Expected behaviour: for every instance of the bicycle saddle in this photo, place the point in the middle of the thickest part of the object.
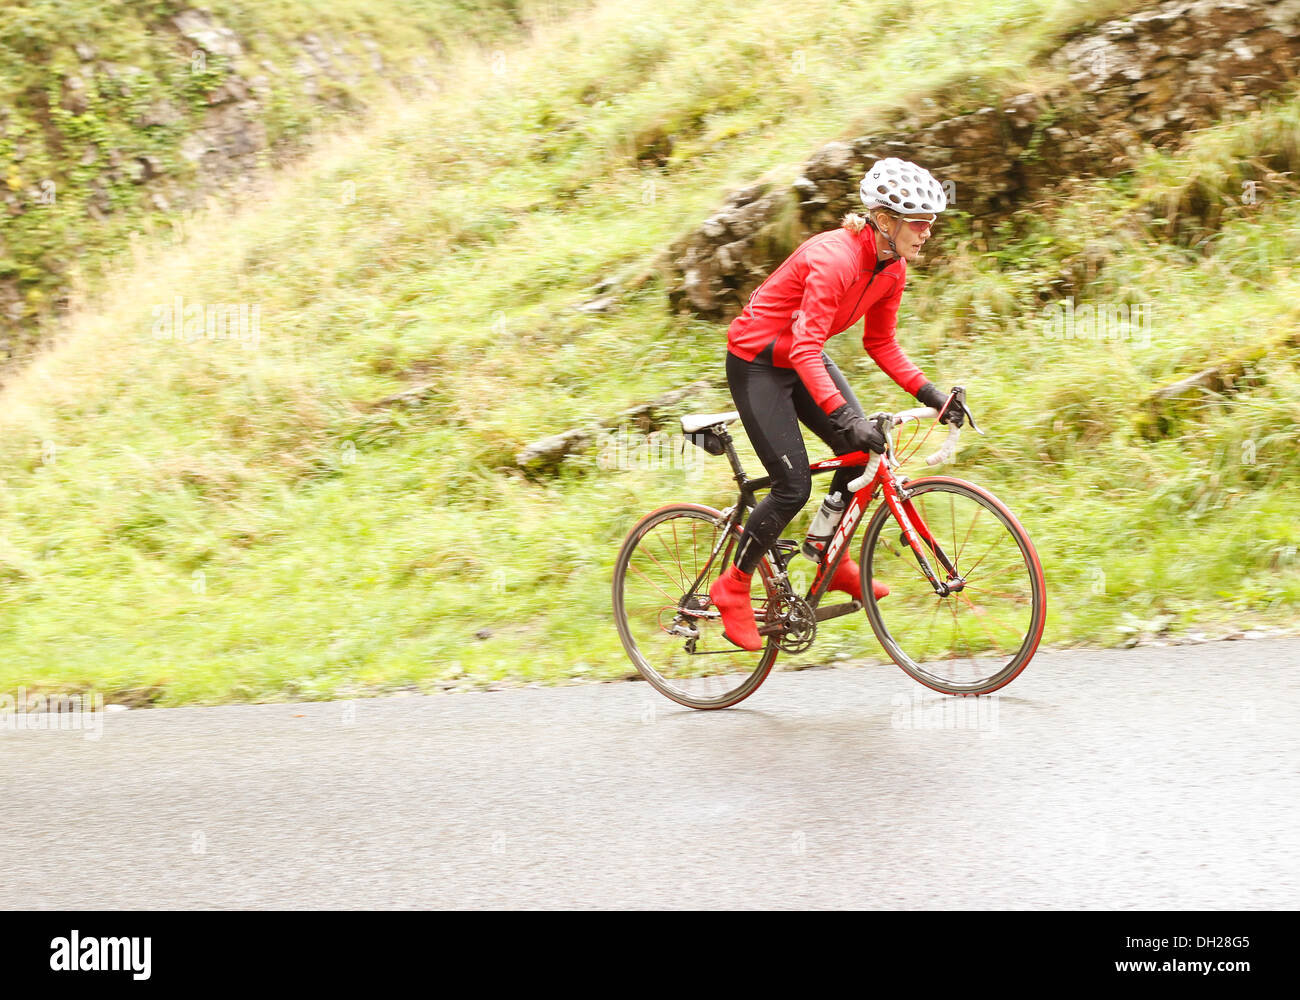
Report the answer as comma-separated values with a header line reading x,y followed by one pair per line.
x,y
699,421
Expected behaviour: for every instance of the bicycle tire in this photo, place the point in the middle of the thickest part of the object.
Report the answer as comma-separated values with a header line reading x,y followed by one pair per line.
x,y
649,652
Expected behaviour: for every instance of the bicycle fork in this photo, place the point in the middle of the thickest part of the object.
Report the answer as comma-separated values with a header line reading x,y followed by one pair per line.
x,y
915,531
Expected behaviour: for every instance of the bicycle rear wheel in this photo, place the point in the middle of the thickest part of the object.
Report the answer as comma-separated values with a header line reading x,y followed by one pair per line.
x,y
674,640
980,637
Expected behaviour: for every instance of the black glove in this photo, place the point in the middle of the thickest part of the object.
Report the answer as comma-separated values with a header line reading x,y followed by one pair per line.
x,y
928,395
857,430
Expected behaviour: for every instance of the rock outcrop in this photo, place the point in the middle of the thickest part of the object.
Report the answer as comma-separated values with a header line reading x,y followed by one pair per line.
x,y
546,456
1147,78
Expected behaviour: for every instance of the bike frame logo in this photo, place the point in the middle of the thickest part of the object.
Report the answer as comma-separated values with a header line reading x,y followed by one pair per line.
x,y
1101,321
845,529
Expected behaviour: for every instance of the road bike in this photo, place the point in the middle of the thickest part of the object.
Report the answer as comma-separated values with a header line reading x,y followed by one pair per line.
x,y
967,601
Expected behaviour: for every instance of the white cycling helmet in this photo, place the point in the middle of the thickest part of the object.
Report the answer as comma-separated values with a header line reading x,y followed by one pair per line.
x,y
902,187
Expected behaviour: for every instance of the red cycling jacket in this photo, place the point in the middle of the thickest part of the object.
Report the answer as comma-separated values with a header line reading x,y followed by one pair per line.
x,y
823,288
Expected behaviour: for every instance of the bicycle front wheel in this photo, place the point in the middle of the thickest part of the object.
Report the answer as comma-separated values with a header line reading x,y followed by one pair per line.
x,y
669,630
980,636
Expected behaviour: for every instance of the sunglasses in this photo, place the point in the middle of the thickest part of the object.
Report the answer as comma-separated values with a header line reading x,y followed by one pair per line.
x,y
918,225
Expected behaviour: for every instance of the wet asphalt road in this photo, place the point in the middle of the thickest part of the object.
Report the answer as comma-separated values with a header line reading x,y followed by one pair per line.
x,y
1146,778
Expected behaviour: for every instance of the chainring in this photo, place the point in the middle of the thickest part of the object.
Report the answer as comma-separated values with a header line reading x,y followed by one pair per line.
x,y
799,624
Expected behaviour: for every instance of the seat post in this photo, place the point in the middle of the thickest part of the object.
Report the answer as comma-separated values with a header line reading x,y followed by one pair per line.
x,y
742,480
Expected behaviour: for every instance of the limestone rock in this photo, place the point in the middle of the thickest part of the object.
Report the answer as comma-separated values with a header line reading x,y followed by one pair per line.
x,y
547,454
200,28
1149,77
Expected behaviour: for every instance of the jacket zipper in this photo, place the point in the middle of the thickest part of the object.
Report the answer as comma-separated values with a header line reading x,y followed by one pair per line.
x,y
865,290
874,272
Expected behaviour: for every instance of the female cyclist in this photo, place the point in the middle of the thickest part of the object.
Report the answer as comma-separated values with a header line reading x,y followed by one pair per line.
x,y
779,376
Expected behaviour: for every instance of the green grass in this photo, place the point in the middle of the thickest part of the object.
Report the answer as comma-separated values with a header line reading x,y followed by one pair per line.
x,y
69,172
200,522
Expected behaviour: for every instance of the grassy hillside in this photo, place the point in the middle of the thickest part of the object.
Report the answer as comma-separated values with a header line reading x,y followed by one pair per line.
x,y
205,519
102,103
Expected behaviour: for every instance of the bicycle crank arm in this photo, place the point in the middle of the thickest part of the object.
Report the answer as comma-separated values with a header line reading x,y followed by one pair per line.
x,y
837,610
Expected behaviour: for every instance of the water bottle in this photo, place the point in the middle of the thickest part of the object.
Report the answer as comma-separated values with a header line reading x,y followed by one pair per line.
x,y
823,526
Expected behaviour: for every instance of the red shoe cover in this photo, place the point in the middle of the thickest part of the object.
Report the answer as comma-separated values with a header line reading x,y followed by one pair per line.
x,y
848,580
730,595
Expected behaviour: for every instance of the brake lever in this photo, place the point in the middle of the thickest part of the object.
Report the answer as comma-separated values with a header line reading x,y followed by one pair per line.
x,y
959,397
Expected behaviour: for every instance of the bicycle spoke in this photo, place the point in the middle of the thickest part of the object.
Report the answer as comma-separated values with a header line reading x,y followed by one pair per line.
x,y
667,570
962,547
980,615
908,555
681,562
1017,598
934,618
952,511
985,577
952,605
695,554
932,546
995,543
675,559
661,590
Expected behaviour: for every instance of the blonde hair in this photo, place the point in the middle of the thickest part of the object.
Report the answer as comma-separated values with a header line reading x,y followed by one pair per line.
x,y
854,223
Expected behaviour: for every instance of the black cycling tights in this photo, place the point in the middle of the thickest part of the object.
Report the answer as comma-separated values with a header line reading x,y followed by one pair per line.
x,y
771,402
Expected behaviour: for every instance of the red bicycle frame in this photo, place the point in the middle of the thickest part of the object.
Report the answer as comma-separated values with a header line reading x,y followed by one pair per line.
x,y
915,530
